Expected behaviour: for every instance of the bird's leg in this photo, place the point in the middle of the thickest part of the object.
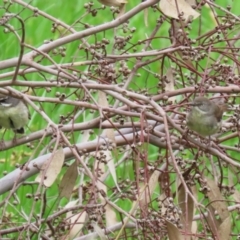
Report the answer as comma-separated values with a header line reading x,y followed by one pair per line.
x,y
2,143
14,141
17,131
185,134
211,141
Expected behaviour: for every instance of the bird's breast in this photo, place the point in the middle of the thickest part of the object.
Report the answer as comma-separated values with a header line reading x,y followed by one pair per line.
x,y
14,117
202,123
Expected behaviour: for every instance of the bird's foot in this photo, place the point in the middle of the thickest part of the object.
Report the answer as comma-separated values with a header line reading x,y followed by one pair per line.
x,y
2,145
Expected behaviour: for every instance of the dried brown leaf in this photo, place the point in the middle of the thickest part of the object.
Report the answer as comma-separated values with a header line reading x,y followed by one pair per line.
x,y
230,178
51,168
170,9
102,99
68,181
99,231
112,168
162,198
191,2
77,221
102,188
217,200
146,192
213,223
111,217
225,229
194,230
236,196
170,83
173,232
187,206
194,223
110,214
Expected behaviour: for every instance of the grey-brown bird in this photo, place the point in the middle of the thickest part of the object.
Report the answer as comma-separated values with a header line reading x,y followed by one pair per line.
x,y
205,116
14,113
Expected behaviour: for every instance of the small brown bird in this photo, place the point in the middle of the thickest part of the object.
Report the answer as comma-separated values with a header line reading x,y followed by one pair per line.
x,y
14,113
205,116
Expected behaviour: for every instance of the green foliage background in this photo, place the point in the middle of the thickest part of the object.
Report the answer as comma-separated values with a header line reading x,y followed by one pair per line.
x,y
38,30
